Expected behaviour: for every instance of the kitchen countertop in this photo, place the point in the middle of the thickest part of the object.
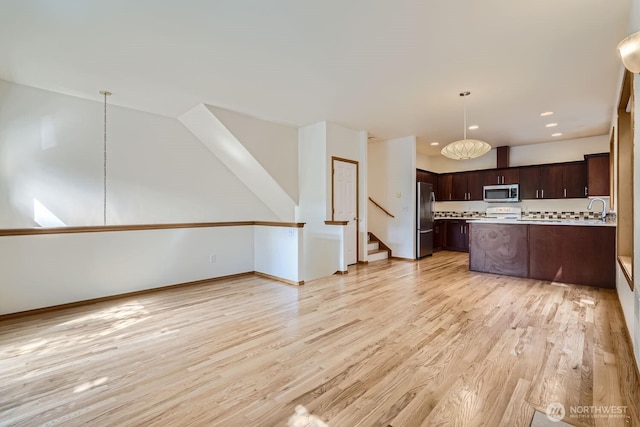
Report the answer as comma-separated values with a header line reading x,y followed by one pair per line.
x,y
541,221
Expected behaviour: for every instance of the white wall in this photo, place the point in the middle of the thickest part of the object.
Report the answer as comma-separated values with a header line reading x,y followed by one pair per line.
x,y
46,270
630,300
322,244
521,155
278,252
51,152
392,183
274,146
350,144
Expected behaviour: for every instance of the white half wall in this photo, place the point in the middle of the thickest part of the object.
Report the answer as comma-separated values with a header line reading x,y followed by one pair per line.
x,y
323,244
51,158
392,183
45,270
278,251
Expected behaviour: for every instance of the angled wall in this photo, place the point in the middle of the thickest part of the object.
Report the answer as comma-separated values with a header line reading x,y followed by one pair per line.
x,y
51,157
202,122
273,145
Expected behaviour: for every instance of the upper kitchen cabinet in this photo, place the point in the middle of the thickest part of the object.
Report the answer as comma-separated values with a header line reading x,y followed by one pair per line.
x,y
574,180
502,176
530,182
445,187
556,181
467,185
598,175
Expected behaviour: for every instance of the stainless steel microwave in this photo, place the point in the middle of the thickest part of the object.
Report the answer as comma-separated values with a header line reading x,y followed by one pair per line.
x,y
501,193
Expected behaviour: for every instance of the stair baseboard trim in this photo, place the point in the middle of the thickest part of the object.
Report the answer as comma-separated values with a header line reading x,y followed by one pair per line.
x,y
404,259
279,279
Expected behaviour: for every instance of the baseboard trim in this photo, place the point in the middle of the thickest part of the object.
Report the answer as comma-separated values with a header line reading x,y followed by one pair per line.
x,y
629,341
57,307
403,259
279,279
363,262
342,272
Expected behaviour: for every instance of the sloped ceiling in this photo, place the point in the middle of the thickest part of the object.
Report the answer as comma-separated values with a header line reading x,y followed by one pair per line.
x,y
393,68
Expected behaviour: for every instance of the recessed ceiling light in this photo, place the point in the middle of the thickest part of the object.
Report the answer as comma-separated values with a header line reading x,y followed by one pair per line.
x,y
435,143
472,127
556,134
551,125
546,113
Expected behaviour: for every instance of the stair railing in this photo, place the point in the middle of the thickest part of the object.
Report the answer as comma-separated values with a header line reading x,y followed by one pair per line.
x,y
380,207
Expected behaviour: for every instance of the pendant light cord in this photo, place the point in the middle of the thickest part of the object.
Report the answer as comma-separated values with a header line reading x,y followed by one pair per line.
x,y
104,202
464,108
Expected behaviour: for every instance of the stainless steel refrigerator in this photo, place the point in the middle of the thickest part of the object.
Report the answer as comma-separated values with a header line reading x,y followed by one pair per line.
x,y
424,218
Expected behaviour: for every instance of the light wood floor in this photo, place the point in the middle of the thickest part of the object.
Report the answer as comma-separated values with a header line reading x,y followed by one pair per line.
x,y
393,343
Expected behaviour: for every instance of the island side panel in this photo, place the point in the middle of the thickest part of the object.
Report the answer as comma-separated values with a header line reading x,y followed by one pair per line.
x,y
573,254
499,248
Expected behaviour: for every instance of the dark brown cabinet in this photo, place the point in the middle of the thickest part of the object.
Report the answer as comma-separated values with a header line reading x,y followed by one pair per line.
x,y
459,186
475,184
598,175
557,181
467,185
583,255
578,254
550,182
574,180
501,176
529,182
439,230
457,237
445,187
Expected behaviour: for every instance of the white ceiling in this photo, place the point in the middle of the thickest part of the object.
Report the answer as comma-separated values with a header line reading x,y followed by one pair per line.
x,y
393,68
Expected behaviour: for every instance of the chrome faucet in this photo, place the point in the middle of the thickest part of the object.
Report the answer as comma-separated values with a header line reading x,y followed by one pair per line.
x,y
604,207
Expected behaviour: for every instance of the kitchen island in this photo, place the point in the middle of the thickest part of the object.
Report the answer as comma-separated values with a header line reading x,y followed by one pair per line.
x,y
580,252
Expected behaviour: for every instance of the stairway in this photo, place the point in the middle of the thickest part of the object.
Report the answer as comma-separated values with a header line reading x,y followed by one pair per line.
x,y
377,251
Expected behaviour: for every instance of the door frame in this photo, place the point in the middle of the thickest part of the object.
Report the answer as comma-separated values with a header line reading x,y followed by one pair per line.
x,y
340,159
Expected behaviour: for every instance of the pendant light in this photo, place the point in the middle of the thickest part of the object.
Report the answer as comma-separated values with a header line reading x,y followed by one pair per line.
x,y
629,50
104,169
465,149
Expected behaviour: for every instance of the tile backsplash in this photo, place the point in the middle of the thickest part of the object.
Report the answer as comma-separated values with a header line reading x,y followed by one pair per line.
x,y
575,215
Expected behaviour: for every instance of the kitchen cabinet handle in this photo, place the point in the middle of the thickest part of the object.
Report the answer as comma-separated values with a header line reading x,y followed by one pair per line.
x,y
503,179
586,193
536,194
498,179
542,192
565,193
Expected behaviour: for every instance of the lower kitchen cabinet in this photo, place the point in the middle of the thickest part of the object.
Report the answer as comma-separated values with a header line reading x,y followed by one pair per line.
x,y
499,248
439,231
577,254
457,237
573,254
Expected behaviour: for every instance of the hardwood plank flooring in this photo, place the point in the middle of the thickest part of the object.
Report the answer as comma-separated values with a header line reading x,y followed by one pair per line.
x,y
392,343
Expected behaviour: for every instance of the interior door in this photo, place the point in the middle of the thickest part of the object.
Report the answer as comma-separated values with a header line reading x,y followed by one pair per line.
x,y
345,204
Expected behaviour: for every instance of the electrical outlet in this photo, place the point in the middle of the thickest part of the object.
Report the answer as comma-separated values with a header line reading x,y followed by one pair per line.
x,y
212,258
